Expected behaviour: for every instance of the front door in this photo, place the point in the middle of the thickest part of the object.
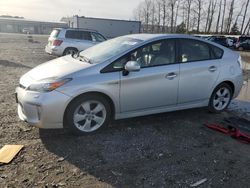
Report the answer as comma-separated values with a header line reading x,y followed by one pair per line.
x,y
156,84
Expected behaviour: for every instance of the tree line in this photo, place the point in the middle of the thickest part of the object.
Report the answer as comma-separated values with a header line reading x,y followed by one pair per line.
x,y
194,16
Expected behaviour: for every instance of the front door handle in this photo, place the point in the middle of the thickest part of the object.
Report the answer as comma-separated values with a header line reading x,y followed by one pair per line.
x,y
171,75
212,68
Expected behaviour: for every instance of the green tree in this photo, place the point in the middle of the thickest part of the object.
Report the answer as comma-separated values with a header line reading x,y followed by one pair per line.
x,y
235,30
181,28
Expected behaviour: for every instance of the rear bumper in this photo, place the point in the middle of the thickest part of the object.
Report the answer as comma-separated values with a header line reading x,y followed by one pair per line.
x,y
54,50
238,83
43,110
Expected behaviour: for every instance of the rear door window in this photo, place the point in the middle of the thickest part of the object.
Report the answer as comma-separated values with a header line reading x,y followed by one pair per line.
x,y
71,34
193,50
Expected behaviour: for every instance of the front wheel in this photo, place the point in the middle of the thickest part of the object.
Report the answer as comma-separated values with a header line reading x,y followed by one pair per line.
x,y
220,98
87,114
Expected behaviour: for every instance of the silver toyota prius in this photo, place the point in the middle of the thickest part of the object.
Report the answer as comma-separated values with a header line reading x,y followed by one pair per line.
x,y
129,76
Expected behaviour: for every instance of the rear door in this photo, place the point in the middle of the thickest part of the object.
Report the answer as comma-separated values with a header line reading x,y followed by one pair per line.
x,y
199,70
78,39
85,41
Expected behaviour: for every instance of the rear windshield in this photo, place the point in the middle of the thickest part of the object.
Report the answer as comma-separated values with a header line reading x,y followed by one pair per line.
x,y
55,33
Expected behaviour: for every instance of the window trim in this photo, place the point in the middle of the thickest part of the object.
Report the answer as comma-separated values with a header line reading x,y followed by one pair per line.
x,y
107,69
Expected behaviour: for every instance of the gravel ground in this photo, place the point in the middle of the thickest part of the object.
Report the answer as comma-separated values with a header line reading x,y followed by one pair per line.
x,y
165,150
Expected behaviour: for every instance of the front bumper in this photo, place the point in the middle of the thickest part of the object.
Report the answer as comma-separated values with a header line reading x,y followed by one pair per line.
x,y
43,110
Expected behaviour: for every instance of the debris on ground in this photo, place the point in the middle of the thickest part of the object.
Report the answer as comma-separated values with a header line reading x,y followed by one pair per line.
x,y
231,131
116,173
8,152
60,159
198,182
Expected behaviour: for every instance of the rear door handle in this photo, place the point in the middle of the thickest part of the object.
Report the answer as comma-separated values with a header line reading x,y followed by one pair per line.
x,y
212,68
171,75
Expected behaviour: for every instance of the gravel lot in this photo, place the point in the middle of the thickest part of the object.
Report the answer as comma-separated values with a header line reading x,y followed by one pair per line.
x,y
165,150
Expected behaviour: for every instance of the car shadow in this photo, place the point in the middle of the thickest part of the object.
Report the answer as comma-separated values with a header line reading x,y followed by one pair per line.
x,y
7,63
131,150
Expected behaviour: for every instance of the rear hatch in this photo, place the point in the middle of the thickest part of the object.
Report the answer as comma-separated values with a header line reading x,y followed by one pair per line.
x,y
53,36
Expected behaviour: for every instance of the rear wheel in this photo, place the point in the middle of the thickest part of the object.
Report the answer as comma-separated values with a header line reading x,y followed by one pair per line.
x,y
221,98
87,114
70,51
241,48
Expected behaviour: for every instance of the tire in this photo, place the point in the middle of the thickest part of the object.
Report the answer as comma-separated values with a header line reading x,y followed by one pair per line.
x,y
241,48
220,98
87,114
69,51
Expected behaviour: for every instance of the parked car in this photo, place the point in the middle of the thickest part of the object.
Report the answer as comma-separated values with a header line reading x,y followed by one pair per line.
x,y
70,41
232,41
245,45
222,40
27,31
129,76
241,40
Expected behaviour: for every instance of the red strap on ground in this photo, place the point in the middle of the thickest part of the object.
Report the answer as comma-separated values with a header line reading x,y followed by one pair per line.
x,y
232,131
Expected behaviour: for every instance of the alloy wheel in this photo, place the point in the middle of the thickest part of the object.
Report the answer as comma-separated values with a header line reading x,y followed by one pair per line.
x,y
221,98
89,116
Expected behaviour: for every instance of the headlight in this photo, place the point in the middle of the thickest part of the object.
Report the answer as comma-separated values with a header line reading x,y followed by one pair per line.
x,y
48,86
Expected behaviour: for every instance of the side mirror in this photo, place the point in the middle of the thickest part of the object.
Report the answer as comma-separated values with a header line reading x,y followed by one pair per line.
x,y
132,66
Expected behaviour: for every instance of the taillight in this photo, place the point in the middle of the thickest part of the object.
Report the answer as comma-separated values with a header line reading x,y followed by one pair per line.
x,y
57,42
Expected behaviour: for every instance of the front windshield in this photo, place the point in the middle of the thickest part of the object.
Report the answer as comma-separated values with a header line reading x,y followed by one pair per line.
x,y
106,50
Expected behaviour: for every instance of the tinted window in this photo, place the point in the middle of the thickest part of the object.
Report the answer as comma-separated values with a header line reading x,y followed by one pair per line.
x,y
97,37
241,39
73,34
82,35
159,53
193,50
85,35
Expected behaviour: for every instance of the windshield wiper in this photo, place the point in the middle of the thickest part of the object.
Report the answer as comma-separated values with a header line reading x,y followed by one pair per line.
x,y
85,59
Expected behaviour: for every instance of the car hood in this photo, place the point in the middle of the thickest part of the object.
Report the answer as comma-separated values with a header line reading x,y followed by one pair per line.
x,y
55,69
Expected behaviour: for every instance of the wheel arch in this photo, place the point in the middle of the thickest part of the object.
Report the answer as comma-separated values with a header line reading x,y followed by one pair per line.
x,y
69,48
228,82
108,98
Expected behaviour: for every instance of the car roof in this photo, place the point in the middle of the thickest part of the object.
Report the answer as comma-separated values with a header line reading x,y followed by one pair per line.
x,y
154,37
77,29
145,36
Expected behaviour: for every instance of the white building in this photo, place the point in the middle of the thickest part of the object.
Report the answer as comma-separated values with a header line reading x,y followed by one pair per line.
x,y
110,28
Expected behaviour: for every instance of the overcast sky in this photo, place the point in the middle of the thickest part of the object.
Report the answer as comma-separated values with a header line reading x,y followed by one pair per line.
x,y
53,10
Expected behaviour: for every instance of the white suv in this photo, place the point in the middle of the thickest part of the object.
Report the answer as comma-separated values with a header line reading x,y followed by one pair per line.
x,y
70,41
